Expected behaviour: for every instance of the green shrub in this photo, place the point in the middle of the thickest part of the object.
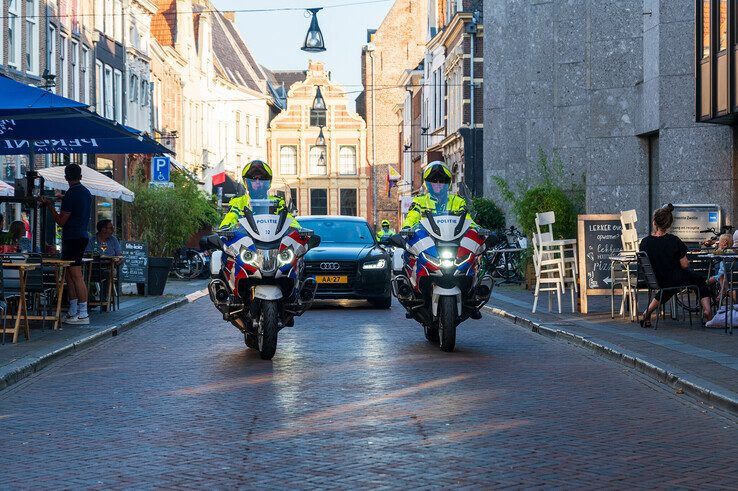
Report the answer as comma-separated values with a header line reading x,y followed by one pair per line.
x,y
550,193
487,214
166,218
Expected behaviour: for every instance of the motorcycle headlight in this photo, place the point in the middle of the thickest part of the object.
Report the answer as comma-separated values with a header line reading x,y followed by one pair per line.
x,y
286,257
380,264
447,263
248,256
446,254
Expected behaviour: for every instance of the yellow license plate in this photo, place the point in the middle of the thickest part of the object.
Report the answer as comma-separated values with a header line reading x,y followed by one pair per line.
x,y
331,279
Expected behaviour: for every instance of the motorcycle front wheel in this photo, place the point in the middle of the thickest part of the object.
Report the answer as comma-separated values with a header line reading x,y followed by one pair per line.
x,y
431,334
447,323
268,328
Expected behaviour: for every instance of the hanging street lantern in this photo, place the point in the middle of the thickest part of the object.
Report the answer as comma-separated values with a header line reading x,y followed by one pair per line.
x,y
320,142
314,39
319,102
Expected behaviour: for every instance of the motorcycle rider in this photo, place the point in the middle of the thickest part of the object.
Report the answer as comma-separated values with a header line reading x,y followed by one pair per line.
x,y
437,179
386,230
257,176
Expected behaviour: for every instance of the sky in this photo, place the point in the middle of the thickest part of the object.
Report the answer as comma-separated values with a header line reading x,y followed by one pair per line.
x,y
275,38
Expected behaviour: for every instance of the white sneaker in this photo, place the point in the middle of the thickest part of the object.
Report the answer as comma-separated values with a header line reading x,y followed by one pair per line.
x,y
67,317
78,321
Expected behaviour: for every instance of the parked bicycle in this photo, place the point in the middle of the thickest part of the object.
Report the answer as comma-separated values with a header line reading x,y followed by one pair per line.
x,y
506,265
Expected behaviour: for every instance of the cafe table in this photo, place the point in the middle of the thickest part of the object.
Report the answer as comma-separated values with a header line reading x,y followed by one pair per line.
x,y
22,311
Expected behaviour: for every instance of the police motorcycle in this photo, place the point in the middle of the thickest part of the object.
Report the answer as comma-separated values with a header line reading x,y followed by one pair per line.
x,y
443,282
257,273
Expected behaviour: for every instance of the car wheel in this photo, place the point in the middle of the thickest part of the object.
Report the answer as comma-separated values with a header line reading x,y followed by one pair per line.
x,y
381,303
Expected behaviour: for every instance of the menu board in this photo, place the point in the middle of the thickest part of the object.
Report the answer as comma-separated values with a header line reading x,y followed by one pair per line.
x,y
135,265
599,238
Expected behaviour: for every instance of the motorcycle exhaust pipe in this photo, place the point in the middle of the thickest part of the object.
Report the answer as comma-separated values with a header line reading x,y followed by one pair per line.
x,y
483,290
402,287
218,291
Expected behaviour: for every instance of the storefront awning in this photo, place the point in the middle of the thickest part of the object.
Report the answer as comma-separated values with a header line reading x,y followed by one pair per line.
x,y
18,99
97,183
6,189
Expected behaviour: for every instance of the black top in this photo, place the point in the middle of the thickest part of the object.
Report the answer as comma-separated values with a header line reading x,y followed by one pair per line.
x,y
77,202
665,253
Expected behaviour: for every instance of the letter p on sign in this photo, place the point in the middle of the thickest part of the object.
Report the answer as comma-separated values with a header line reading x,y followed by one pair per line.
x,y
160,170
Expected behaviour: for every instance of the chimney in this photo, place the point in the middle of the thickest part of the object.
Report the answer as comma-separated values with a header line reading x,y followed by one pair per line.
x,y
230,15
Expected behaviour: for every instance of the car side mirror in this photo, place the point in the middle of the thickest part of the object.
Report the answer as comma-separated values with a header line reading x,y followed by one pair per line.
x,y
212,243
398,240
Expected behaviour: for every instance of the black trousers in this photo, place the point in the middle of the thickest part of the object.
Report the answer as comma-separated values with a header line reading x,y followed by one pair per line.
x,y
684,277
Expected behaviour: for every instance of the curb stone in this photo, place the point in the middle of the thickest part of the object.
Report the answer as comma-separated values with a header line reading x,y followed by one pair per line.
x,y
632,360
18,373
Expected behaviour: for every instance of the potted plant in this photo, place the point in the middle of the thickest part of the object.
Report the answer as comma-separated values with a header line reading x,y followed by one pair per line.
x,y
164,218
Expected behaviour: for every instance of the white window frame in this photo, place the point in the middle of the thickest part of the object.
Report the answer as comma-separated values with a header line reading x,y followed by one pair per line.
x,y
51,49
341,160
283,158
118,95
314,168
74,64
63,79
238,126
143,98
248,130
133,88
99,88
14,40
32,26
86,75
257,132
108,91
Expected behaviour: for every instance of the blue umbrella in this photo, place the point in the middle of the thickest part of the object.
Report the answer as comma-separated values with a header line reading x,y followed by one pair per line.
x,y
19,99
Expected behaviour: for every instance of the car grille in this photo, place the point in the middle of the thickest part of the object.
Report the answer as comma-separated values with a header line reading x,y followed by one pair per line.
x,y
345,268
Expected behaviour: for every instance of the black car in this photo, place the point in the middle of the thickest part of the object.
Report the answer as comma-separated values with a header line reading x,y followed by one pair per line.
x,y
349,262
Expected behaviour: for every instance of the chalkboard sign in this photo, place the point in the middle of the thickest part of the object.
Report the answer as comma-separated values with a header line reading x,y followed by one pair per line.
x,y
135,267
598,239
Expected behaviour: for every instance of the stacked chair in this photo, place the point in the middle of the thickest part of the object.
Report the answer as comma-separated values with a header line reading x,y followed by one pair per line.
x,y
626,274
555,262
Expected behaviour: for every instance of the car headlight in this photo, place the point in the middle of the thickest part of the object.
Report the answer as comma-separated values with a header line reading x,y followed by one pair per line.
x,y
380,264
286,257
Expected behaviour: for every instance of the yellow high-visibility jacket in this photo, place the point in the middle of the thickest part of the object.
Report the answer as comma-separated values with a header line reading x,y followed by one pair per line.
x,y
239,204
425,202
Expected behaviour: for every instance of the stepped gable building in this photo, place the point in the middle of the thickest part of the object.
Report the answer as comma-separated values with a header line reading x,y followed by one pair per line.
x,y
332,178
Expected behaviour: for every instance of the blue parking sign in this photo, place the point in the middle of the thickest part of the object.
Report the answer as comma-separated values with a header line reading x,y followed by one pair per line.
x,y
160,170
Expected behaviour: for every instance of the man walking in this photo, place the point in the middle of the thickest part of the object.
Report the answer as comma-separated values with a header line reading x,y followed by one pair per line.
x,y
74,219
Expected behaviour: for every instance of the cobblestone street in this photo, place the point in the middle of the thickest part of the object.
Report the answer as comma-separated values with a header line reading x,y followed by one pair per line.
x,y
354,398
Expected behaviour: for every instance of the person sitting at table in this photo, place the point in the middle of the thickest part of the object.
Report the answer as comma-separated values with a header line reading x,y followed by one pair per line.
x,y
18,237
724,242
105,243
668,256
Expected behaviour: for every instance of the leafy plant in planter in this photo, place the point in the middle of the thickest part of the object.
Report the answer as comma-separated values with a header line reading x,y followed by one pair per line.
x,y
550,193
165,218
487,214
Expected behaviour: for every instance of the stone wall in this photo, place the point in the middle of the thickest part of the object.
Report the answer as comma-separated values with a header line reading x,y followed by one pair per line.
x,y
608,85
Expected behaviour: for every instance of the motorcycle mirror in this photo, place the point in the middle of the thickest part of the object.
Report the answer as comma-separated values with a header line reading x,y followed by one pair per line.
x,y
484,232
313,241
384,240
212,243
398,240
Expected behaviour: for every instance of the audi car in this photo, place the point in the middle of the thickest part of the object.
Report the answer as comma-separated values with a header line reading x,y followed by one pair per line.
x,y
349,263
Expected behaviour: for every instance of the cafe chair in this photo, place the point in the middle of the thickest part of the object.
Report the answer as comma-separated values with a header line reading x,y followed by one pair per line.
x,y
40,286
567,255
102,273
625,274
548,266
647,279
6,298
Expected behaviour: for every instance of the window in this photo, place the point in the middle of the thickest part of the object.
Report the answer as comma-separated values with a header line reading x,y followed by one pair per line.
x,y
317,117
706,28
63,77
348,202
288,160
85,75
723,26
118,91
318,201
257,129
99,99
51,50
14,32
347,160
145,88
32,51
108,92
74,61
293,197
248,130
316,159
238,126
133,88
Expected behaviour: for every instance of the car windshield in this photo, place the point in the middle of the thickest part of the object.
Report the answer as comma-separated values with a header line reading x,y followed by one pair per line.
x,y
340,231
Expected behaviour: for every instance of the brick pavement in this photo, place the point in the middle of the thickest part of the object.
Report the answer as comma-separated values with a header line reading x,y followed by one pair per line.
x,y
354,398
708,356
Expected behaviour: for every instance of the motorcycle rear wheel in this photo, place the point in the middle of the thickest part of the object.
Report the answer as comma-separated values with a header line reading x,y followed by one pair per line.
x,y
268,328
447,323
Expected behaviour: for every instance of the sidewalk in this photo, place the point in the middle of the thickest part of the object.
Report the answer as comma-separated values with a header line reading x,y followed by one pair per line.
x,y
702,361
19,360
